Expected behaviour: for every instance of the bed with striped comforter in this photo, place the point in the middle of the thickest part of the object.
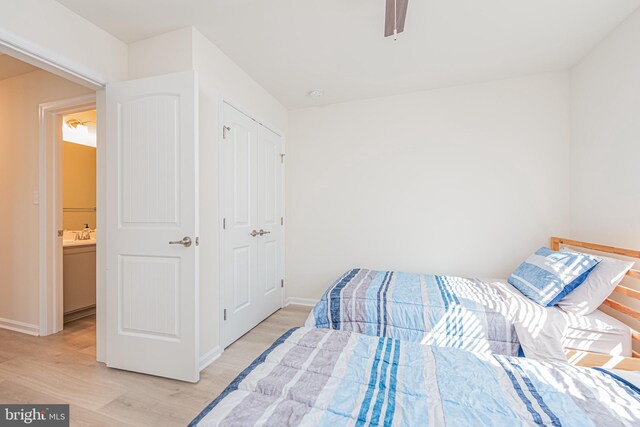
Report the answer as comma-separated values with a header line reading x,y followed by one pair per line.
x,y
469,314
324,377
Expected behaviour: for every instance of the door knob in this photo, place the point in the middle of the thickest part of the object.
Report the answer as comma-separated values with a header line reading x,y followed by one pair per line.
x,y
186,242
262,232
254,233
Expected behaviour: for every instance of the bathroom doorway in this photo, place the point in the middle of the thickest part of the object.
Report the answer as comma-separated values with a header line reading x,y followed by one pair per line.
x,y
69,202
79,234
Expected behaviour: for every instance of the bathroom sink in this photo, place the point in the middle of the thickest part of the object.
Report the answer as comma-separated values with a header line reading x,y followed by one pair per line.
x,y
69,239
66,243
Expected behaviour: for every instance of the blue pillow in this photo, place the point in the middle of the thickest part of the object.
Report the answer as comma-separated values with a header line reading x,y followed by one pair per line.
x,y
548,276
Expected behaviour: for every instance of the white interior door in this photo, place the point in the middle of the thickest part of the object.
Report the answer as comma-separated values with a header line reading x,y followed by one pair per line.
x,y
252,200
152,198
269,221
239,212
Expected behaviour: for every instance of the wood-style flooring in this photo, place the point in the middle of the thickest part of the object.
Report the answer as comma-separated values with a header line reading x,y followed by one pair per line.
x,y
62,368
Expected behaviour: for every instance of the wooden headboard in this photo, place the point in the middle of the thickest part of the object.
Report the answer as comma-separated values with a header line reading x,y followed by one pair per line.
x,y
632,293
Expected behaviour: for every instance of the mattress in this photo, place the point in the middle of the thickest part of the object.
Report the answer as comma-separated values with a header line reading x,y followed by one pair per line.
x,y
598,333
480,315
325,377
464,313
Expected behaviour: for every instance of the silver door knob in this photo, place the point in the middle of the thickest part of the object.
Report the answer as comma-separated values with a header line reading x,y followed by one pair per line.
x,y
254,233
186,242
262,232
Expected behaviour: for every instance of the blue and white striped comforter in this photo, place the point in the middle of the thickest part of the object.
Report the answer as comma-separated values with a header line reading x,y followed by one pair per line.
x,y
469,314
323,377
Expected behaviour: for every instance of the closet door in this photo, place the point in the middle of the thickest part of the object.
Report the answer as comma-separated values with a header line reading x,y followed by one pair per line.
x,y
239,259
269,219
252,224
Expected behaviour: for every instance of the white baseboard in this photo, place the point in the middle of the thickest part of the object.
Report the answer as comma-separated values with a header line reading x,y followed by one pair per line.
x,y
79,314
209,357
310,302
14,325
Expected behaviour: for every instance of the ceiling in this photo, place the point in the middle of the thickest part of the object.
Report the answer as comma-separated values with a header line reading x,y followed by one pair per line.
x,y
293,46
11,67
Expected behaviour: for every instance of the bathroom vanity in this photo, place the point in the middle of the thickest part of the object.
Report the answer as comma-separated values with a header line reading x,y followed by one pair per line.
x,y
79,272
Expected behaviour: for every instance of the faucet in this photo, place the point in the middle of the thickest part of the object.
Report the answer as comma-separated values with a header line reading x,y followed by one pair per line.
x,y
85,234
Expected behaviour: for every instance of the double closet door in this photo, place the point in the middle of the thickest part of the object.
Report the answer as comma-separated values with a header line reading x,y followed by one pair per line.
x,y
252,258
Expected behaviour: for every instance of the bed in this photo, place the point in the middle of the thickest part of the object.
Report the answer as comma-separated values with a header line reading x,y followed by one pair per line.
x,y
470,314
328,377
489,316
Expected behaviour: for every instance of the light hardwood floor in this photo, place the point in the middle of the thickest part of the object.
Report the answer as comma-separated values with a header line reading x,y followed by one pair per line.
x,y
61,368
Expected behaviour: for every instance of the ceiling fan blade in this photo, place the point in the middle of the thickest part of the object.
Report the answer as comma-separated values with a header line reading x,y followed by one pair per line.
x,y
400,14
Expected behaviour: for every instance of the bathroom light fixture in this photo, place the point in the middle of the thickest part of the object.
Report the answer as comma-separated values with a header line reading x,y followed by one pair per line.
x,y
316,93
74,123
79,132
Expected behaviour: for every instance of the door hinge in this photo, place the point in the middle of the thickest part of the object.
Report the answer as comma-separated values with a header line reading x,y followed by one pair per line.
x,y
281,220
282,283
225,314
282,157
224,223
225,129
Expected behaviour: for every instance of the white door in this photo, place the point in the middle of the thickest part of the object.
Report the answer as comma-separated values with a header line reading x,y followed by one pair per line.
x,y
240,216
152,226
269,221
252,205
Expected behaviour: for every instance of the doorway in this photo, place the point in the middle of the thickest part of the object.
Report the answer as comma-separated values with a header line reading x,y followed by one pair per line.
x,y
79,234
30,124
67,135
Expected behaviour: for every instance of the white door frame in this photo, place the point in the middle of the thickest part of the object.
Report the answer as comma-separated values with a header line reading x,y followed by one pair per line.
x,y
48,60
221,101
50,208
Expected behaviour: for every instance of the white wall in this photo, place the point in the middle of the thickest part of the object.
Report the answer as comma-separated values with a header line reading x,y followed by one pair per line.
x,y
605,146
464,181
219,78
605,192
163,54
50,28
19,178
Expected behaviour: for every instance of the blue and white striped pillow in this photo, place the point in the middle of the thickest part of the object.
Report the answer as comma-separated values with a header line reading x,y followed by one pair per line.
x,y
547,276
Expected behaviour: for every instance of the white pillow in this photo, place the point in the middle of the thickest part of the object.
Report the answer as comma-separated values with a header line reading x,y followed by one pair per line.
x,y
598,285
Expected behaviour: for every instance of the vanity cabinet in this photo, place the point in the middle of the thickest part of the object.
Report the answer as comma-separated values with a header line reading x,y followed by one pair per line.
x,y
79,276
